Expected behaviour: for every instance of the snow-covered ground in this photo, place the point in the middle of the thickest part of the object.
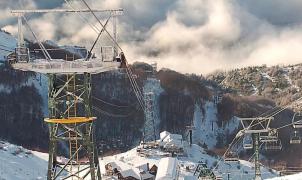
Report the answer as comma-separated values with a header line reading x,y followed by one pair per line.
x,y
289,177
206,127
17,163
7,42
266,76
255,90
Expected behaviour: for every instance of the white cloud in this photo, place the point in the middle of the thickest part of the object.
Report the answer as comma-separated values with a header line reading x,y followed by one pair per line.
x,y
191,35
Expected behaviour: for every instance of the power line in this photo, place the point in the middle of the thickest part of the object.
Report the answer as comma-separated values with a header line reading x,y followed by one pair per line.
x,y
7,47
6,50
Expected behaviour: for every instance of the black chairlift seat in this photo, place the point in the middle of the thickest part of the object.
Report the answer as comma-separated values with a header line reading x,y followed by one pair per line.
x,y
297,120
231,157
295,138
271,136
273,146
247,142
268,139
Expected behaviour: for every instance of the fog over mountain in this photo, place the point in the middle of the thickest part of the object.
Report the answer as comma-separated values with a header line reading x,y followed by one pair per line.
x,y
191,36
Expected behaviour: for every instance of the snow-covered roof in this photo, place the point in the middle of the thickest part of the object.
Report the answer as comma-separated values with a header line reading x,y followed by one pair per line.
x,y
143,167
164,134
127,170
169,140
167,168
134,172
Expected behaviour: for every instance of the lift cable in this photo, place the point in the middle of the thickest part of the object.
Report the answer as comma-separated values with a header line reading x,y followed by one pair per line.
x,y
6,47
129,72
110,36
273,114
234,141
6,50
279,111
94,27
111,104
111,114
97,39
44,51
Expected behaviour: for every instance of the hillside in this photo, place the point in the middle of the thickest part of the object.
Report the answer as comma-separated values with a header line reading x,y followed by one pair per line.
x,y
279,83
254,91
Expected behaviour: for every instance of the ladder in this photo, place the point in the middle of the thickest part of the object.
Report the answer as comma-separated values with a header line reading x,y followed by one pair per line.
x,y
72,112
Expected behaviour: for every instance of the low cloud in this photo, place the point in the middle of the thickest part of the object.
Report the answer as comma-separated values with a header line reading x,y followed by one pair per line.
x,y
191,36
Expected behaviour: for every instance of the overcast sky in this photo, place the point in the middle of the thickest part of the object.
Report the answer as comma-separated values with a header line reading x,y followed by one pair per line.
x,y
190,36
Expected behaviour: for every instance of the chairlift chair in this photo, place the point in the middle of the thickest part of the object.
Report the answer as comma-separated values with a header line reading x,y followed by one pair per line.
x,y
247,142
297,120
271,136
231,157
273,146
295,138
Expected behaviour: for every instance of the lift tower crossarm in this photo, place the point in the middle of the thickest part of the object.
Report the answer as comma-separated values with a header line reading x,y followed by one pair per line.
x,y
114,12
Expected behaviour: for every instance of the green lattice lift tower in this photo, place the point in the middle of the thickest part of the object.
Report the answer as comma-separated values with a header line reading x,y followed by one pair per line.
x,y
69,98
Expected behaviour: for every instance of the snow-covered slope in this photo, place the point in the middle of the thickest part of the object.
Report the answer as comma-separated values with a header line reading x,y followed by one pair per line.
x,y
7,43
289,177
17,163
206,128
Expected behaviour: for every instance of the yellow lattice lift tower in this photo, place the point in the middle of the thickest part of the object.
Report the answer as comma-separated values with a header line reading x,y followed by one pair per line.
x,y
69,99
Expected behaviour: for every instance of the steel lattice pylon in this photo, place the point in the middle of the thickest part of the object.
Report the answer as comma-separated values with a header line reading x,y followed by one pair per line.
x,y
257,163
149,128
71,123
69,97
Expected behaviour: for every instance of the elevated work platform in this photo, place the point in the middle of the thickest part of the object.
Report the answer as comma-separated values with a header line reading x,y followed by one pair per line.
x,y
70,120
60,66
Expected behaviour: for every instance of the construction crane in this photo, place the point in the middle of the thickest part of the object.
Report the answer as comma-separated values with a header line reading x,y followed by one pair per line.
x,y
69,98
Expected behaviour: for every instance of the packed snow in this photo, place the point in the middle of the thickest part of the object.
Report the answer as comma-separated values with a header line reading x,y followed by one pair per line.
x,y
17,163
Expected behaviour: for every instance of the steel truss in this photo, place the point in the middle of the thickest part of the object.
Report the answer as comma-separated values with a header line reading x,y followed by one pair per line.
x,y
71,124
149,130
